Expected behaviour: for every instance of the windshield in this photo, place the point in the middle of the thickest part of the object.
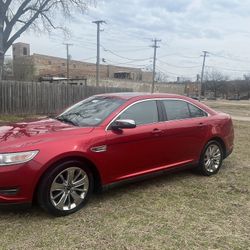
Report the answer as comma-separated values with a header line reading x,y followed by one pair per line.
x,y
91,111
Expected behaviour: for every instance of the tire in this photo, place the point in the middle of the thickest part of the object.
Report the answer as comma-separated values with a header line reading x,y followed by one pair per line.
x,y
211,159
66,188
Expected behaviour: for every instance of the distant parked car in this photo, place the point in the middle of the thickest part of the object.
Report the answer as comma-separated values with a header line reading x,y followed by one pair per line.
x,y
195,98
234,98
106,139
211,98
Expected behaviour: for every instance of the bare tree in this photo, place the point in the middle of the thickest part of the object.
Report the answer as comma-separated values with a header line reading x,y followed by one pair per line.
x,y
8,69
16,16
215,81
160,77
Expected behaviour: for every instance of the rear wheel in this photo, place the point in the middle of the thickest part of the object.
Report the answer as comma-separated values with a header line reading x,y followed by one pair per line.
x,y
211,158
66,188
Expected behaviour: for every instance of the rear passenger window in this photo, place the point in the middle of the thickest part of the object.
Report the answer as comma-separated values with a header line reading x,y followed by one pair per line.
x,y
176,110
196,112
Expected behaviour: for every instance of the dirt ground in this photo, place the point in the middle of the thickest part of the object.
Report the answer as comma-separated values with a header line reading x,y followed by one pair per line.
x,y
173,211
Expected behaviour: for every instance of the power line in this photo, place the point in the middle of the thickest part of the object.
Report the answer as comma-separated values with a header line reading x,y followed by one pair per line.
x,y
171,73
135,65
166,72
134,49
175,66
155,46
115,31
230,58
183,56
59,39
127,64
174,75
229,69
89,58
123,57
84,47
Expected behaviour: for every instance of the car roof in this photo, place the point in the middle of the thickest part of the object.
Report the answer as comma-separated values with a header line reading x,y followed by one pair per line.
x,y
141,95
137,96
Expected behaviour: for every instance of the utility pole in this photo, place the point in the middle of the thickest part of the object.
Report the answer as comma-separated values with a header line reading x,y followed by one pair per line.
x,y
1,64
1,49
203,88
67,54
98,23
155,46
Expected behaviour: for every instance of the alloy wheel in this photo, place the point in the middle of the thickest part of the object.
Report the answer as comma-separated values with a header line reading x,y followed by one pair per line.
x,y
212,158
69,188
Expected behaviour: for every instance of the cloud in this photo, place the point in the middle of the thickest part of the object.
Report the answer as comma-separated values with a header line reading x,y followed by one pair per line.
x,y
183,18
186,27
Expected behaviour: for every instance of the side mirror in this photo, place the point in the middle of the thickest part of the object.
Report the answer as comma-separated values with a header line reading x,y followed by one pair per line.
x,y
123,124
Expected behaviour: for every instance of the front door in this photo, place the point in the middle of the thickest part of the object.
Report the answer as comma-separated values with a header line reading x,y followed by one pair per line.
x,y
131,152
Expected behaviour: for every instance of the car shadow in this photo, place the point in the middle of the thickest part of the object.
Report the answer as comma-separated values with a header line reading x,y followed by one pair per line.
x,y
146,182
129,187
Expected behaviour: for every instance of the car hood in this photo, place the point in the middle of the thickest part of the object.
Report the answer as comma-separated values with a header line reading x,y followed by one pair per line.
x,y
23,134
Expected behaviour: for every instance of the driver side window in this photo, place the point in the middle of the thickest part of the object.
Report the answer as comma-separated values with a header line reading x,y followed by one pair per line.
x,y
142,113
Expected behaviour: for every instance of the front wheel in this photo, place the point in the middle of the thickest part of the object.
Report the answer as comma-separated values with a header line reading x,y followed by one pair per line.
x,y
66,188
211,158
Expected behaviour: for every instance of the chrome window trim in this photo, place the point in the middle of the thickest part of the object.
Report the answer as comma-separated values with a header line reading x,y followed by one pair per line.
x,y
159,99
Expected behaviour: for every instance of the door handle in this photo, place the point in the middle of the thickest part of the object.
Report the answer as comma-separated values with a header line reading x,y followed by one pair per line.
x,y
157,131
201,124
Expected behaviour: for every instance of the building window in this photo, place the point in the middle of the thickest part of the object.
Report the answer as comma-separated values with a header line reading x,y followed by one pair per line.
x,y
49,62
63,64
122,75
25,51
74,66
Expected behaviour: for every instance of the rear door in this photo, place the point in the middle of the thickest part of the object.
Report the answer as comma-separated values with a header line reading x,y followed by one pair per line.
x,y
184,132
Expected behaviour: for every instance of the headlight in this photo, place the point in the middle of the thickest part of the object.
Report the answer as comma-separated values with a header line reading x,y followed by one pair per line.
x,y
17,158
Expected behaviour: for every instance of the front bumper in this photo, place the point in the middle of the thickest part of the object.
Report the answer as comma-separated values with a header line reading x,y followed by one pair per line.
x,y
18,183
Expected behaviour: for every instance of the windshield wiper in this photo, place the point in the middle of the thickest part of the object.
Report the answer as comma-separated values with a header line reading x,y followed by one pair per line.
x,y
66,120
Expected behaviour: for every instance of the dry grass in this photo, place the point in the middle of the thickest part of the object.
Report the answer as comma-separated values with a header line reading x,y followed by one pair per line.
x,y
235,108
16,118
174,211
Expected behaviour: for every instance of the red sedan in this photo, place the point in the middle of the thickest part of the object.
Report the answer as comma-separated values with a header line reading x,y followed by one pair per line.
x,y
106,139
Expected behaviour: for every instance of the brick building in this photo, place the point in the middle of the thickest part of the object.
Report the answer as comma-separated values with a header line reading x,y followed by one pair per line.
x,y
20,50
33,67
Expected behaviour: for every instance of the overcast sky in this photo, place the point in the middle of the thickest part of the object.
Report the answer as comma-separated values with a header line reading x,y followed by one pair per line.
x,y
185,27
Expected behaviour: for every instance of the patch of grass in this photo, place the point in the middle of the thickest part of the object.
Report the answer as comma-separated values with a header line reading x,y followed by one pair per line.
x,y
4,119
173,211
236,108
